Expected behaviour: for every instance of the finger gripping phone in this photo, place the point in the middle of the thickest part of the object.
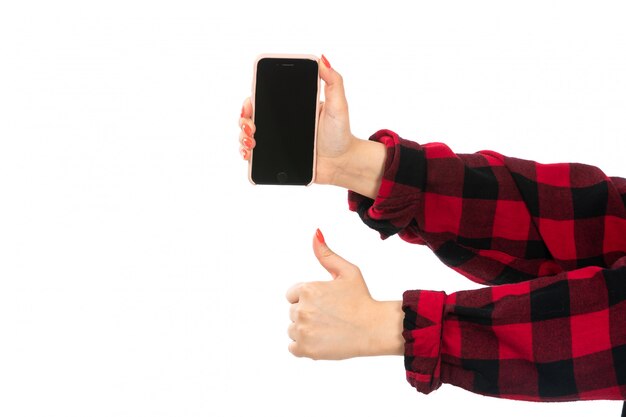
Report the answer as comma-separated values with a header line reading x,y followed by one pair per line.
x,y
285,97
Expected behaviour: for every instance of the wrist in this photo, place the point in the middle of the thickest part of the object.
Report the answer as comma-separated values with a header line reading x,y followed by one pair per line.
x,y
330,169
359,169
387,325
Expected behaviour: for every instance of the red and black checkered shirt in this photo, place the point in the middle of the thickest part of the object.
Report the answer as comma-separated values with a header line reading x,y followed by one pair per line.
x,y
550,243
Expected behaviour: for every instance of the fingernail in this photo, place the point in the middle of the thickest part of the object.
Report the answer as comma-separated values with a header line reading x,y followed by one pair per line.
x,y
241,111
247,129
247,142
325,61
244,153
320,236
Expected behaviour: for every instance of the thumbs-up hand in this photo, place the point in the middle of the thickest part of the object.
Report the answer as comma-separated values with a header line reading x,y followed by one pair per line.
x,y
339,319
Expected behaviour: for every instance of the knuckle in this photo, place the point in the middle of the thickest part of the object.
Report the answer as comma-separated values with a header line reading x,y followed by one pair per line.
x,y
303,315
294,313
301,350
294,349
308,289
305,351
292,332
303,332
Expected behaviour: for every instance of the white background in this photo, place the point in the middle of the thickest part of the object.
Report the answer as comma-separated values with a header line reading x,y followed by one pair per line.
x,y
142,275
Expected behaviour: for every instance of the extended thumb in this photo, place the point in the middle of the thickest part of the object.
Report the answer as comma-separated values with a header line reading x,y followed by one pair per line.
x,y
332,262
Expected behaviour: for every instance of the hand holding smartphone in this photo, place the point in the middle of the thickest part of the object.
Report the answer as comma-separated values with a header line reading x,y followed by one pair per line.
x,y
285,103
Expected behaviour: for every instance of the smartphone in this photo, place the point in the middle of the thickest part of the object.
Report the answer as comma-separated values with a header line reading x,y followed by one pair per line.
x,y
285,97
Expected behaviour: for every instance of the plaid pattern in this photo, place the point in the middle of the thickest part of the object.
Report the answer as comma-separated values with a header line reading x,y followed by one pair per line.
x,y
550,243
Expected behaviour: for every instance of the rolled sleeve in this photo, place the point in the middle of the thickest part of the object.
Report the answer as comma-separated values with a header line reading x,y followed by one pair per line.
x,y
399,197
423,325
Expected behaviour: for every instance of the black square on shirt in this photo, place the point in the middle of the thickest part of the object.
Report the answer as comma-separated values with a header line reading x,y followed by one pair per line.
x,y
556,379
480,183
590,201
550,302
537,249
412,168
509,275
615,281
530,192
453,254
619,362
486,374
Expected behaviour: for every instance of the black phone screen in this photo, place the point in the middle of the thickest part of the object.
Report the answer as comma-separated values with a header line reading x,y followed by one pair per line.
x,y
284,114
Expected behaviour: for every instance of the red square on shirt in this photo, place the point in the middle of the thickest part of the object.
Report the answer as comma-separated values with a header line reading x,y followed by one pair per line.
x,y
451,339
614,234
515,341
442,213
558,236
512,220
553,174
519,289
590,333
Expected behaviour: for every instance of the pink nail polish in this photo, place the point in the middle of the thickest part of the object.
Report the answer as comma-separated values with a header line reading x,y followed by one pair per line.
x,y
247,142
247,130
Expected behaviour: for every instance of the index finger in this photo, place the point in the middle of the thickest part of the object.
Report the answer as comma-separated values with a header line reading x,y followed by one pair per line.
x,y
293,293
246,109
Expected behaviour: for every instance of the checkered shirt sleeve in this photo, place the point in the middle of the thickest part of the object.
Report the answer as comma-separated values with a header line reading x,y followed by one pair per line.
x,y
548,240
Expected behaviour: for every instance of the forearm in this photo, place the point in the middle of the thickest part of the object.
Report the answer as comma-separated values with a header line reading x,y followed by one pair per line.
x,y
492,218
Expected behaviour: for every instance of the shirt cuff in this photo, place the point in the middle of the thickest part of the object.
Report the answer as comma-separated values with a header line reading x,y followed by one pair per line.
x,y
400,195
423,325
